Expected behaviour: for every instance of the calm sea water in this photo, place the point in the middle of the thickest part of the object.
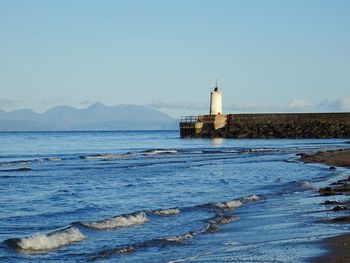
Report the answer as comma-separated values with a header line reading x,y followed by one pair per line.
x,y
152,197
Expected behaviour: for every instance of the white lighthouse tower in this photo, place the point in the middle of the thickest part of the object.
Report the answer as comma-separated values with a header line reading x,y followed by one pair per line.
x,y
216,101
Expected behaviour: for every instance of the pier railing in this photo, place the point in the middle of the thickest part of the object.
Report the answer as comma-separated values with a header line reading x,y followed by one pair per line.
x,y
189,119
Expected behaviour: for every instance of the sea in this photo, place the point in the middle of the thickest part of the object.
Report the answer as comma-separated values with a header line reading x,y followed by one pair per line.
x,y
149,196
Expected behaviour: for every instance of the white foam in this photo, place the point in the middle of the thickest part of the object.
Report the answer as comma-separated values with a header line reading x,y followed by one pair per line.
x,y
261,150
52,240
103,157
231,151
167,212
119,221
54,159
155,152
110,156
92,157
252,198
306,185
15,163
179,238
237,202
229,204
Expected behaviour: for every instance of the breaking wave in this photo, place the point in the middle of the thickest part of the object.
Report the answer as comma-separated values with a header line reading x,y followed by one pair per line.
x,y
295,187
139,218
111,156
56,239
119,221
28,162
101,156
166,212
127,220
229,204
305,185
15,163
211,227
251,198
159,151
235,203
151,152
44,242
260,150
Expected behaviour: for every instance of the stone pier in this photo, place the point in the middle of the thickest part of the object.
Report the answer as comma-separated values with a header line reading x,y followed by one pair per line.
x,y
267,125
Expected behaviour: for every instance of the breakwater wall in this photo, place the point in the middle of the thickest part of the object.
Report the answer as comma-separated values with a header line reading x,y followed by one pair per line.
x,y
267,125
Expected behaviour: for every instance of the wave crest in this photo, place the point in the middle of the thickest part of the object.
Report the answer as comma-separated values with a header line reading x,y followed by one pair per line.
x,y
306,185
235,203
15,163
178,239
166,212
118,221
251,198
101,156
43,242
111,156
229,204
159,151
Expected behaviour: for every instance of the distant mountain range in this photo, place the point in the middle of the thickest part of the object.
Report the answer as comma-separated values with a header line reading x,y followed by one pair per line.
x,y
96,117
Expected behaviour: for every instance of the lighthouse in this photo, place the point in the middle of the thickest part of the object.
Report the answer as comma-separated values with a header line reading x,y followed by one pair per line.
x,y
216,101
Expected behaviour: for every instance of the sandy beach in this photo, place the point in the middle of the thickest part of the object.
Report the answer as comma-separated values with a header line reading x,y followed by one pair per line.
x,y
338,246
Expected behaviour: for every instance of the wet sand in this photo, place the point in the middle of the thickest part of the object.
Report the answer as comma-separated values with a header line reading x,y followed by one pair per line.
x,y
339,246
339,250
334,158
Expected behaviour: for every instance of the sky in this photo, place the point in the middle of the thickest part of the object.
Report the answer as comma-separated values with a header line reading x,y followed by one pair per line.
x,y
271,55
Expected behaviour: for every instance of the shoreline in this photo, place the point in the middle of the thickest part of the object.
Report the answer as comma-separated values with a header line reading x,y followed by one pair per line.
x,y
338,247
332,158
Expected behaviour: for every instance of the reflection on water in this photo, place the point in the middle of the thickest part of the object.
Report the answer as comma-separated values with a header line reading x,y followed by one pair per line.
x,y
216,142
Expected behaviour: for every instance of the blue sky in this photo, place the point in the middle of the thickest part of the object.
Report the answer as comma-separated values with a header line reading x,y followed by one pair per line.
x,y
268,55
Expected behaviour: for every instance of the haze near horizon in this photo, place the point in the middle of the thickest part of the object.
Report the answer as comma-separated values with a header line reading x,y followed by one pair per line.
x,y
267,55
